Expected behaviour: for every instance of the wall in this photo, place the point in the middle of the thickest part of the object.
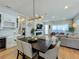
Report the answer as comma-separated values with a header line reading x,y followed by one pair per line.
x,y
4,31
9,33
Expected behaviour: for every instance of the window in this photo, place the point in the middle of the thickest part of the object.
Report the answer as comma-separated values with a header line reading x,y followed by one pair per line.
x,y
60,28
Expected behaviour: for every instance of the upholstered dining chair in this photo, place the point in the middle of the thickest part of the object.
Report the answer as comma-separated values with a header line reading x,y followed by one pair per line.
x,y
51,53
19,48
28,50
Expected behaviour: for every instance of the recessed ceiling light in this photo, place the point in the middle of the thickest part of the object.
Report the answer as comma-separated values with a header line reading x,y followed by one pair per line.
x,y
66,7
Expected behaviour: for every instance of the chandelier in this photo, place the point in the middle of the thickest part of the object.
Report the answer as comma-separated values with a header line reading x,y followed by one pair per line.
x,y
34,17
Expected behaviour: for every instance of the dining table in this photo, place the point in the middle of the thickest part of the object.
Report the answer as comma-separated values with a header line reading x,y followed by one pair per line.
x,y
42,45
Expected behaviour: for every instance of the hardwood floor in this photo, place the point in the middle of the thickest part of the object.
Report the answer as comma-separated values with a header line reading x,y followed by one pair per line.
x,y
67,53
64,53
9,54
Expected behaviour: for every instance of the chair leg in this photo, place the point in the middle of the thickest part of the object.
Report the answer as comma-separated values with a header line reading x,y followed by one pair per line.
x,y
57,57
17,54
23,56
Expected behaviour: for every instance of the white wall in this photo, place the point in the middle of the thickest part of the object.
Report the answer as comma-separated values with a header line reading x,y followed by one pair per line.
x,y
9,33
4,31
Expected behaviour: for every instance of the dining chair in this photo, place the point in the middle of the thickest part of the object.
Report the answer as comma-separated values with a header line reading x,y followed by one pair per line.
x,y
51,53
28,52
19,48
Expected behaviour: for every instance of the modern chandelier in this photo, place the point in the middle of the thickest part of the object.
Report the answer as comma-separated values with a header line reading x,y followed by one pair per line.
x,y
34,17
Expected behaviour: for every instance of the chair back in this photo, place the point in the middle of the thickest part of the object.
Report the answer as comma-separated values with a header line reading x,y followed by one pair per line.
x,y
27,49
19,45
52,53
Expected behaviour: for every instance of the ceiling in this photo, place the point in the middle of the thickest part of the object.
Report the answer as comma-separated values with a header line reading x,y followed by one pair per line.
x,y
50,9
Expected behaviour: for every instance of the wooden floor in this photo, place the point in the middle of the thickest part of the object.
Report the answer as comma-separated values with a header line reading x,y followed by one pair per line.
x,y
68,53
64,53
9,54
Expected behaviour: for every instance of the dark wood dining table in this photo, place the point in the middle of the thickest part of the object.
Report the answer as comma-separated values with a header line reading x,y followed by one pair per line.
x,y
41,45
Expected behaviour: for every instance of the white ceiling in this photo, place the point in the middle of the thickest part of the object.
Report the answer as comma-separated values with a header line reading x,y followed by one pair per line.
x,y
46,8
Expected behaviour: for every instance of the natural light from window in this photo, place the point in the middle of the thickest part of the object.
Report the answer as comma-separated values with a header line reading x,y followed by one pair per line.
x,y
60,28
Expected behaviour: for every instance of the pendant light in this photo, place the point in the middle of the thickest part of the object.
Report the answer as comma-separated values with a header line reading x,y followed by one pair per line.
x,y
35,17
